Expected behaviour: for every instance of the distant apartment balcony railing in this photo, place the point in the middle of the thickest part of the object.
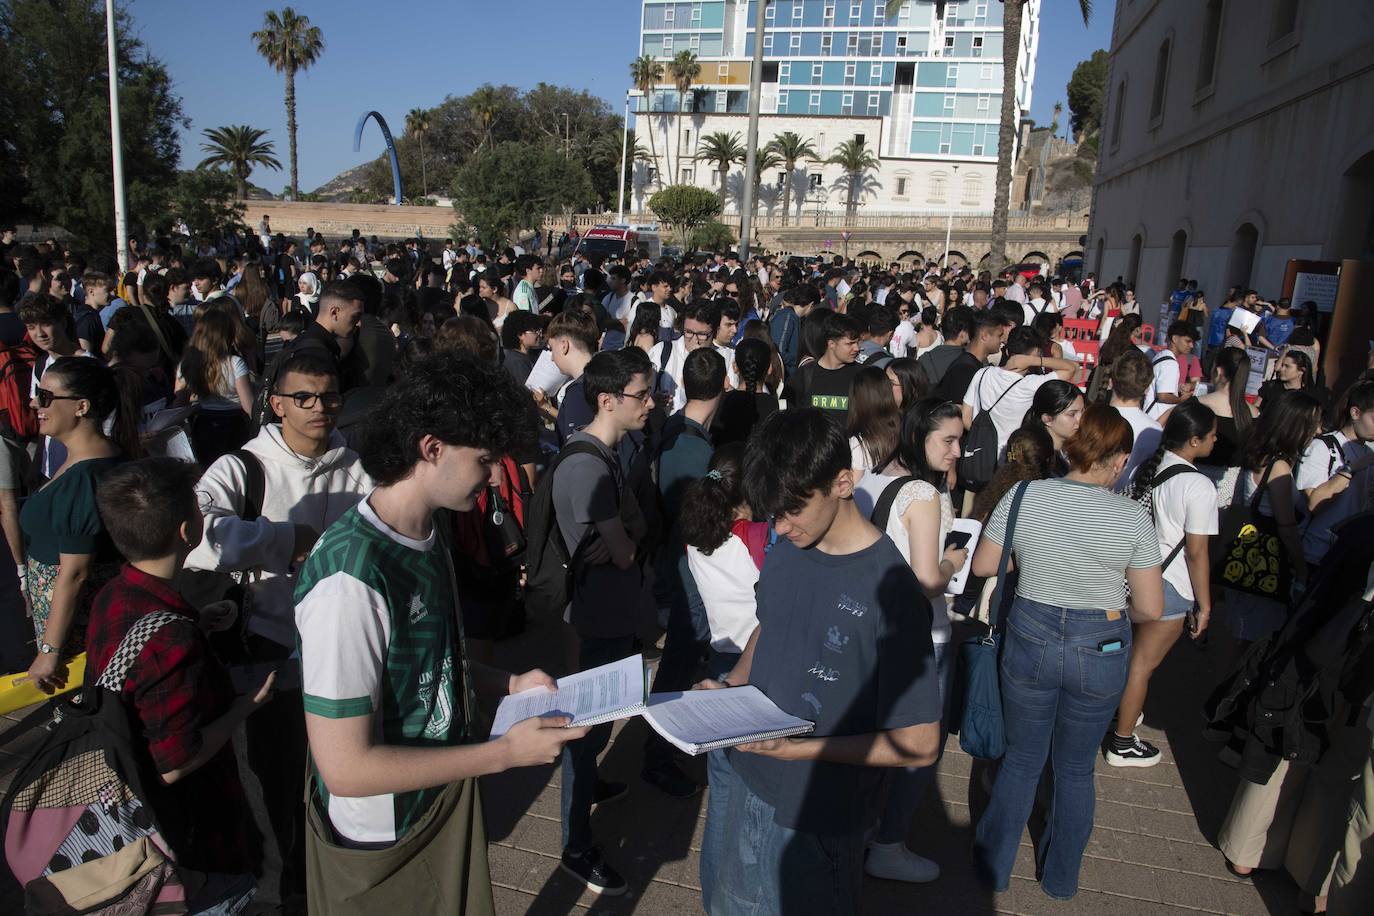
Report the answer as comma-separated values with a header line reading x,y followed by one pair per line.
x,y
865,219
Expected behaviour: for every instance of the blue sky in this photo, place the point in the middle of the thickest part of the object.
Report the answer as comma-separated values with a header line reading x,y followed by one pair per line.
x,y
395,57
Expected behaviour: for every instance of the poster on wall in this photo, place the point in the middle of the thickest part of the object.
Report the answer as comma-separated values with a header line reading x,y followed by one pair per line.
x,y
1319,288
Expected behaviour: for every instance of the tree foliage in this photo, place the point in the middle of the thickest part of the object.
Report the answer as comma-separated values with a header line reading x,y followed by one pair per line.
x,y
1088,94
55,120
493,115
512,185
207,199
684,207
712,236
239,148
289,43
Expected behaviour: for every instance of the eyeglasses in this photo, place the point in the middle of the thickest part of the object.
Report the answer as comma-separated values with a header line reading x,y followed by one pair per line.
x,y
305,400
643,397
46,397
697,335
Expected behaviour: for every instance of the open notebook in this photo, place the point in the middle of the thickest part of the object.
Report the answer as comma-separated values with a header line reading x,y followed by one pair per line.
x,y
696,721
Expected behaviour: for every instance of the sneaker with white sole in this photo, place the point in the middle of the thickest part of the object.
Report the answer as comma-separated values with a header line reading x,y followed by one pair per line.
x,y
894,862
1132,752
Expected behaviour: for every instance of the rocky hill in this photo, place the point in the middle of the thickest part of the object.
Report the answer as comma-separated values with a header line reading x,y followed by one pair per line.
x,y
337,189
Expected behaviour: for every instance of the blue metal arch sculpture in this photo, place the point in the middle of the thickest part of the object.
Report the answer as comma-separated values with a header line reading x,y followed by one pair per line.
x,y
390,148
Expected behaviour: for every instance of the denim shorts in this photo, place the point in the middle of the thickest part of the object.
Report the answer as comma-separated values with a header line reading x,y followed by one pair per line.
x,y
1175,605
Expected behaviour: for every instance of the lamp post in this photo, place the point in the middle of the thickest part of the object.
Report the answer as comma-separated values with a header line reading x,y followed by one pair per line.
x,y
751,156
116,142
949,221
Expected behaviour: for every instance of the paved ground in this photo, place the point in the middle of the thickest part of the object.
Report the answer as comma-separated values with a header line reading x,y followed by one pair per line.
x,y
1151,851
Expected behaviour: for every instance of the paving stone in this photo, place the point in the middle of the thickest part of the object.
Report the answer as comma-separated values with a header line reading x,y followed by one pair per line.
x,y
1119,878
1151,851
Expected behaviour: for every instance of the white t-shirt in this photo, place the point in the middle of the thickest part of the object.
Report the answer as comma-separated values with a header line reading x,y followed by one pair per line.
x,y
725,580
1166,382
1016,293
1146,433
858,455
1184,504
226,397
990,384
902,338
1318,465
1033,308
619,307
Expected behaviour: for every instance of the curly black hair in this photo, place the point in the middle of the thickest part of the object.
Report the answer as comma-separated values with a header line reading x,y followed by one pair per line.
x,y
453,397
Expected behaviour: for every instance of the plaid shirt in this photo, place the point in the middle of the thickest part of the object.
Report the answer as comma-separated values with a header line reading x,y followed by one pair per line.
x,y
175,689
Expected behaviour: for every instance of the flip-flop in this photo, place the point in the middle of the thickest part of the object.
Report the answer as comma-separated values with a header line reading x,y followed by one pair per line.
x,y
1243,875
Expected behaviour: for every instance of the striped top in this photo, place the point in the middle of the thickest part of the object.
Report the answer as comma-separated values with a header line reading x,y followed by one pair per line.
x,y
1074,541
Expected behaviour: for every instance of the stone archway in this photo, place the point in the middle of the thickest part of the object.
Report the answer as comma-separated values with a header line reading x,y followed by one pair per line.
x,y
911,257
1035,257
957,259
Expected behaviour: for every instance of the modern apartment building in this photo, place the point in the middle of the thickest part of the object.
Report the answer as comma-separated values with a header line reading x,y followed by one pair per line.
x,y
1238,134
921,88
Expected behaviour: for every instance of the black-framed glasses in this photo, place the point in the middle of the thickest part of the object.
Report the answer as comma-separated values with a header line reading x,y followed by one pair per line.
x,y
46,397
697,335
305,400
643,397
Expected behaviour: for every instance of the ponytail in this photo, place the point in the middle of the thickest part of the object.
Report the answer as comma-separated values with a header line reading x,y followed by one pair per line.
x,y
128,412
709,504
1234,363
114,394
1187,421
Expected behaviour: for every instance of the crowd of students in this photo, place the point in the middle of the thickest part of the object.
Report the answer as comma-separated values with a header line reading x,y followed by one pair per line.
x,y
766,460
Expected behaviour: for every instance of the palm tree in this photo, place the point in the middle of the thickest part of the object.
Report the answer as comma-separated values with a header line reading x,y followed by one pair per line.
x,y
855,159
289,43
684,70
764,160
723,150
485,102
792,148
239,148
417,123
646,74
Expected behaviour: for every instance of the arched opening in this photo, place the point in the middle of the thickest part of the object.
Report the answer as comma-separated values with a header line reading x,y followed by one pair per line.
x,y
957,259
1178,247
910,259
1352,234
1133,265
869,257
1035,257
985,262
1242,262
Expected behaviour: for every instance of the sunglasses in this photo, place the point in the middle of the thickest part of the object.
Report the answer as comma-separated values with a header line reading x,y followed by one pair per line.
x,y
305,400
46,397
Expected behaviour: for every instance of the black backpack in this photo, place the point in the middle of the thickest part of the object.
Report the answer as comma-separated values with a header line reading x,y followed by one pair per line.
x,y
1147,500
549,566
978,462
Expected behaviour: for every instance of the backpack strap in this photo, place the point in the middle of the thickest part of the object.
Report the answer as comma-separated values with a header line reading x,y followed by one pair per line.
x,y
157,330
1170,473
1005,393
1334,447
256,490
131,646
883,509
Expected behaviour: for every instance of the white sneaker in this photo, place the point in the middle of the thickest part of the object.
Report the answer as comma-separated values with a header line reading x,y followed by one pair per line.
x,y
894,862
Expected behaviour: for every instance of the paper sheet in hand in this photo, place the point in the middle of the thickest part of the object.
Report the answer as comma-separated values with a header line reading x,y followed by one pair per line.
x,y
968,531
697,721
605,694
1243,319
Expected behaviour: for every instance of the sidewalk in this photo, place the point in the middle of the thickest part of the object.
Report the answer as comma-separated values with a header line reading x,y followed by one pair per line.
x,y
1151,852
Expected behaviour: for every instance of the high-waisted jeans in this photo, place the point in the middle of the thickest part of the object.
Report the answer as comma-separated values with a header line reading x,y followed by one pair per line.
x,y
1063,672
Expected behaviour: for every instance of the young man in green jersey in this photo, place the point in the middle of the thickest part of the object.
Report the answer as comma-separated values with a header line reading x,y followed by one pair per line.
x,y
389,691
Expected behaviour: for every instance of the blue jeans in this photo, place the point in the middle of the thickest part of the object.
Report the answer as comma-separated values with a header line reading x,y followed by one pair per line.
x,y
223,895
722,780
764,869
579,757
1059,691
907,786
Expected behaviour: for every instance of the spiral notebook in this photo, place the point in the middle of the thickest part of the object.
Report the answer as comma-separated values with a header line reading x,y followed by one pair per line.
x,y
593,697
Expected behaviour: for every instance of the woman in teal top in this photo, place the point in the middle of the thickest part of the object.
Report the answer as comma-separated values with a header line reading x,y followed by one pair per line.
x,y
69,554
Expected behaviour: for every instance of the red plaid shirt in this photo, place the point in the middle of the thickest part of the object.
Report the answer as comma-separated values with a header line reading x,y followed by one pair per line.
x,y
175,689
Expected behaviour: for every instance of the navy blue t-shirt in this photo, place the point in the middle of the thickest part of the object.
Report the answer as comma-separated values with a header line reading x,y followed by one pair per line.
x,y
845,642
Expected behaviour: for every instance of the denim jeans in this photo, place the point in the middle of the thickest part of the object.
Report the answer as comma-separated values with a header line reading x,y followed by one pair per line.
x,y
722,779
223,895
579,757
907,786
1059,690
761,868
683,646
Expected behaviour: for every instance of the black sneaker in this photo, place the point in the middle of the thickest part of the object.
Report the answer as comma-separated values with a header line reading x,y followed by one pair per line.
x,y
609,792
1132,752
671,781
593,871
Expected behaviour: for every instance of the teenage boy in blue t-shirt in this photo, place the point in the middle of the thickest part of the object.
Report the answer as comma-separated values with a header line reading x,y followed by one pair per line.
x,y
844,641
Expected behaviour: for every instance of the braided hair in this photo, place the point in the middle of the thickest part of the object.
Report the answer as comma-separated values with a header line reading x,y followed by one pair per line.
x,y
1191,419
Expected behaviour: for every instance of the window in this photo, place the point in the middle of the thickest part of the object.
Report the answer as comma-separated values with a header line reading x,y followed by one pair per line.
x,y
849,71
1118,109
797,14
785,72
944,149
952,75
973,189
984,102
814,181
694,42
825,44
782,177
977,149
828,14
696,14
980,11
668,15
686,175
986,72
901,45
816,71
875,74
723,73
847,103
782,103
949,106
723,100
794,43
852,44
903,12
855,11
880,13
949,42
900,189
936,192
667,44
767,43
1285,20
1161,82
858,139
977,45
873,101
813,104
1211,38
820,145
770,12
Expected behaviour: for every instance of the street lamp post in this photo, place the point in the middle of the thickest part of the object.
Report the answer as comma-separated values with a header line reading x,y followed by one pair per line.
x,y
949,221
116,143
751,157
624,151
